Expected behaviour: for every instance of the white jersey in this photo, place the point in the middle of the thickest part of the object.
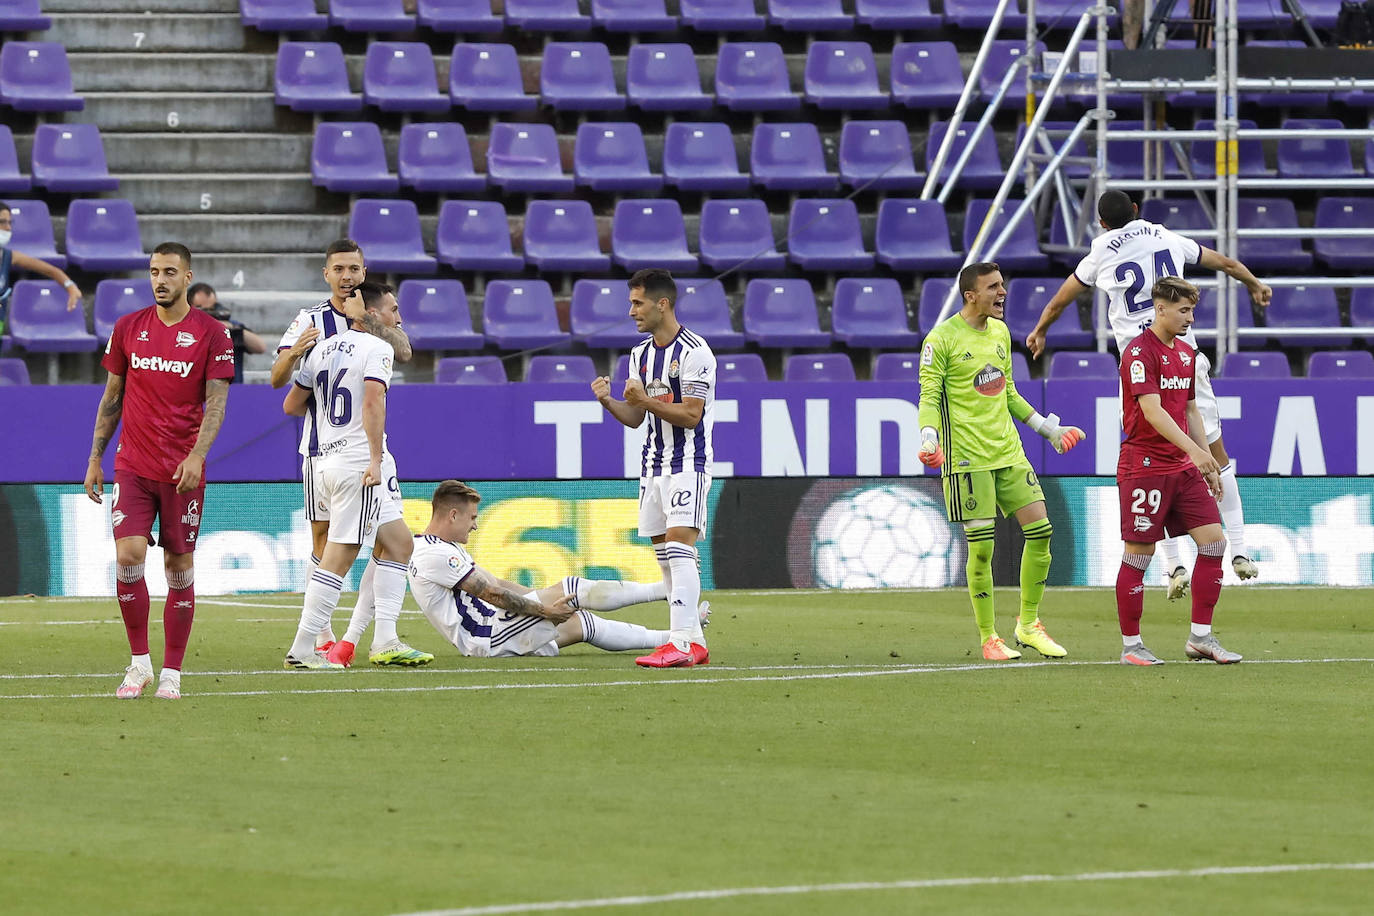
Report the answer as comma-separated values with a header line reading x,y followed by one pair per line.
x,y
337,371
329,322
685,368
1125,263
437,567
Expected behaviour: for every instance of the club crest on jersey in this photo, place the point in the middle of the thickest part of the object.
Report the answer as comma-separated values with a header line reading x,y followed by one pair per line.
x,y
674,369
990,381
1185,358
185,339
1001,354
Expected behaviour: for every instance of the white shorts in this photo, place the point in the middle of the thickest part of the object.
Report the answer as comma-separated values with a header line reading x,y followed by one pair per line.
x,y
393,507
351,508
523,634
317,507
673,501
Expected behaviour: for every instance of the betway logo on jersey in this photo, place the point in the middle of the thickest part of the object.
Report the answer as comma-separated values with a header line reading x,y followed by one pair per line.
x,y
1176,383
181,367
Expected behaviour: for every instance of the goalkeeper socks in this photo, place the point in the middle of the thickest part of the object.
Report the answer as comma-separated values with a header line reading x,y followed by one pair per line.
x,y
1130,594
610,594
366,606
178,613
1035,568
1232,514
327,634
684,625
1207,580
617,635
132,590
321,598
979,572
390,589
1168,552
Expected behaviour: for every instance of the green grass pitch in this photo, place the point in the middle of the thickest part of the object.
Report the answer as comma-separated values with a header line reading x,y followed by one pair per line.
x,y
836,739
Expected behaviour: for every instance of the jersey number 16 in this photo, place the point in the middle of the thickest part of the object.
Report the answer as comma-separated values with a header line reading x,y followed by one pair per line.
x,y
337,400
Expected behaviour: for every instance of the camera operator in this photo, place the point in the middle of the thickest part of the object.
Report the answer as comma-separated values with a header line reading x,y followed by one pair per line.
x,y
203,297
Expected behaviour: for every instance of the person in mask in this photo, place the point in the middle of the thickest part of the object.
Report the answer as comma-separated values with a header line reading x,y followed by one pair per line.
x,y
11,261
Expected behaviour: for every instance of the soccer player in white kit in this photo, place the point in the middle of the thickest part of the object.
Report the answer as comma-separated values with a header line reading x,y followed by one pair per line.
x,y
1124,262
672,381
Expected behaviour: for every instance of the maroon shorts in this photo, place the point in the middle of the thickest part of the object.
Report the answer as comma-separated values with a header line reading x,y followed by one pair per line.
x,y
1172,503
138,500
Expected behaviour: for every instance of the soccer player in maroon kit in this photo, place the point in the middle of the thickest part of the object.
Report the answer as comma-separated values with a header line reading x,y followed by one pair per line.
x,y
1166,475
169,370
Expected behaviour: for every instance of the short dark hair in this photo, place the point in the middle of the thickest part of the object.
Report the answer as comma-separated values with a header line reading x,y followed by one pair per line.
x,y
657,284
372,292
1116,209
177,249
4,207
1174,289
968,277
451,492
198,288
340,246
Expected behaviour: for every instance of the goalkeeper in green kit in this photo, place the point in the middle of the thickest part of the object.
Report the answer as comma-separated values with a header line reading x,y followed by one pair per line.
x,y
968,400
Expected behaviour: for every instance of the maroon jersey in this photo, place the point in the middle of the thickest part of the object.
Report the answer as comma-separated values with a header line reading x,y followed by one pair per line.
x,y
165,370
1150,367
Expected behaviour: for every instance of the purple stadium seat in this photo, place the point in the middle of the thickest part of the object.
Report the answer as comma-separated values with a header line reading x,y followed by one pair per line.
x,y
789,157
926,74
33,233
1301,157
525,157
1066,364
348,156
1362,308
632,16
370,16
600,314
13,372
738,234
562,369
665,78
388,231
40,323
701,306
1000,57
520,314
897,367
312,76
622,372
1127,160
1270,254
825,235
1062,15
282,15
701,157
10,179
611,157
577,76
34,76
436,316
1181,214
896,15
486,77
752,76
782,313
741,367
977,15
1341,364
470,370
877,154
984,168
1026,299
650,233
434,156
1345,213
70,158
818,367
809,16
1060,133
546,15
1303,306
914,235
103,235
1255,365
399,76
933,293
465,16
475,235
1205,321
871,313
1203,154
1059,235
116,298
1022,250
720,15
843,75
22,16
562,235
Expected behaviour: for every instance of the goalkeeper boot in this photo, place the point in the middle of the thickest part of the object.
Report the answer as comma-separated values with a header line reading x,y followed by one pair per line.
x,y
312,662
1244,567
994,650
1035,637
400,655
1139,655
136,677
668,656
341,653
1179,580
1206,648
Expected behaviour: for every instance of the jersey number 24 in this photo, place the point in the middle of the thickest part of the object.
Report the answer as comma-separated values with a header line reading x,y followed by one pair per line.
x,y
1135,274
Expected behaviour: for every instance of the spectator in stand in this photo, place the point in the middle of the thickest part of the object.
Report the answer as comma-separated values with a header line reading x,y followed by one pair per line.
x,y
11,260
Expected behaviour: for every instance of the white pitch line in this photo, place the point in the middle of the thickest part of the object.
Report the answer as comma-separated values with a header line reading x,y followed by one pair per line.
x,y
910,884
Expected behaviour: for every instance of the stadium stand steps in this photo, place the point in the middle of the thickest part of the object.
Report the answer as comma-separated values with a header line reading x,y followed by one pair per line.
x,y
217,31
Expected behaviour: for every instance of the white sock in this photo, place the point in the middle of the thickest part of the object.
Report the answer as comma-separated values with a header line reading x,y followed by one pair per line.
x,y
366,606
1168,552
1232,514
327,634
683,622
616,635
1130,642
389,586
143,661
321,597
612,594
1202,629
661,554
171,676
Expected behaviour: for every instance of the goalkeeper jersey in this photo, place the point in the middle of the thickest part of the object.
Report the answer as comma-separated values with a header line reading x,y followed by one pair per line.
x,y
968,396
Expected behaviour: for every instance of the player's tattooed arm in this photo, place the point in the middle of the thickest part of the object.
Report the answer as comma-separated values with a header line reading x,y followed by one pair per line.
x,y
395,336
481,584
216,396
107,415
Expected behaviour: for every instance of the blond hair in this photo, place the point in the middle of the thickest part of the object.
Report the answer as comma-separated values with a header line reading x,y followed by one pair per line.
x,y
453,491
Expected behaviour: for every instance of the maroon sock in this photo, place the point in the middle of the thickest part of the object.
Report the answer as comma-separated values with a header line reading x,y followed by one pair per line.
x,y
1130,598
133,606
177,615
1206,587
